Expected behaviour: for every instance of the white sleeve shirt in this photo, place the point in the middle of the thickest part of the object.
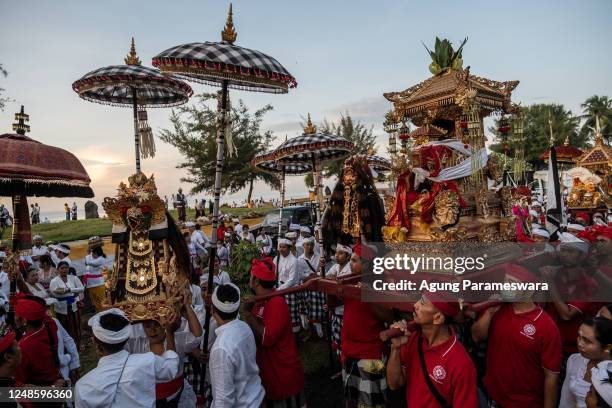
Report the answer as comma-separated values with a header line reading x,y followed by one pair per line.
x,y
125,380
287,271
235,381
67,351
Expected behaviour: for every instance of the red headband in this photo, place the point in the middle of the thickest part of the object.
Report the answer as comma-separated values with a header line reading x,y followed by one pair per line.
x,y
520,273
263,269
444,302
29,307
363,251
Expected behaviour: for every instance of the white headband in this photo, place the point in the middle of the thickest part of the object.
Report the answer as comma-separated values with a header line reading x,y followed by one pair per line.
x,y
309,240
291,235
344,248
568,240
541,232
295,227
109,336
285,241
225,307
61,249
577,227
305,229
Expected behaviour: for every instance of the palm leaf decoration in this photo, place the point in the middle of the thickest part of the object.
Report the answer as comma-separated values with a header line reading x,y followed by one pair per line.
x,y
444,56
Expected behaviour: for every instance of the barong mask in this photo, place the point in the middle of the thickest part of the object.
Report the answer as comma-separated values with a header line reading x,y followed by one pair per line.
x,y
148,278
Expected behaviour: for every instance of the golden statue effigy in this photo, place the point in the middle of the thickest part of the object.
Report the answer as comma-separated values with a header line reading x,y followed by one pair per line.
x,y
592,190
150,275
444,193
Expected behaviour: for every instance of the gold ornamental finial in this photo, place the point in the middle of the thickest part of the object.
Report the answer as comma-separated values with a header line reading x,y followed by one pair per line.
x,y
132,58
371,151
566,142
229,34
310,129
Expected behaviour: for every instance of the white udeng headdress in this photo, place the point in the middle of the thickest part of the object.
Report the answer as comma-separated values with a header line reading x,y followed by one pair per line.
x,y
226,307
109,336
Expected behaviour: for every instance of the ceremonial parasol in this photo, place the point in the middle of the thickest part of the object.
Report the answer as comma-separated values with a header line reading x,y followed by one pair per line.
x,y
228,66
266,162
135,86
315,148
378,164
28,168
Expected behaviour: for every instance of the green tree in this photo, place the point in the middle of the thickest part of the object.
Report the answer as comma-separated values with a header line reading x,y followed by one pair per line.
x,y
597,106
361,136
537,134
193,133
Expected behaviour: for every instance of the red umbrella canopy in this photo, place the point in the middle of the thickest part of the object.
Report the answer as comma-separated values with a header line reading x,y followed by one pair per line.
x,y
29,168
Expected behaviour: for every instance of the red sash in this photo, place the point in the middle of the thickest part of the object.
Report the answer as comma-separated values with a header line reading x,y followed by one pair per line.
x,y
166,389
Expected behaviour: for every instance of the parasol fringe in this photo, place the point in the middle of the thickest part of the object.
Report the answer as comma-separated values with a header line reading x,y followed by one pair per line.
x,y
232,150
145,135
44,188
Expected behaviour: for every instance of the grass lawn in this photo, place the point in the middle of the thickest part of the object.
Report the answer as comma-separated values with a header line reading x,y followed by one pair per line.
x,y
66,231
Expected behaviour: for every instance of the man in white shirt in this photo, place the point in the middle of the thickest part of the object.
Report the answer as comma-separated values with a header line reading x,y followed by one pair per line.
x,y
237,226
199,240
264,242
38,250
342,267
288,276
235,378
67,352
308,266
246,234
59,253
122,379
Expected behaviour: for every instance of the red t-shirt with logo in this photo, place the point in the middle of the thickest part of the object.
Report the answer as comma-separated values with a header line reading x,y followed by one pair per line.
x,y
450,369
519,348
360,331
281,371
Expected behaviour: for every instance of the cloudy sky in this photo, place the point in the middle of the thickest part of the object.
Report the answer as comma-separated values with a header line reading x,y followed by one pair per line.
x,y
344,54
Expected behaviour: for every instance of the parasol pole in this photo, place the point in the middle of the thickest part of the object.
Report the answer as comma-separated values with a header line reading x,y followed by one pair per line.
x,y
136,133
316,168
215,220
10,316
282,203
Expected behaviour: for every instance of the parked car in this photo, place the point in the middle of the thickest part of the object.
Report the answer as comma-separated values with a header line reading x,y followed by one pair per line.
x,y
295,214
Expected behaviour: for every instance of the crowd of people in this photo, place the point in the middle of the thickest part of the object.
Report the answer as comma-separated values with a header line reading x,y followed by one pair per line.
x,y
516,353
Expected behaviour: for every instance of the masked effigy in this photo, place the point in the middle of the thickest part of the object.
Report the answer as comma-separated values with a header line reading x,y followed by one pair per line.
x,y
446,192
151,270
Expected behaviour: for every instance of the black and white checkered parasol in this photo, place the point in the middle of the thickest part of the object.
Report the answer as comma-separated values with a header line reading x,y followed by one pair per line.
x,y
379,164
300,149
113,85
212,62
266,162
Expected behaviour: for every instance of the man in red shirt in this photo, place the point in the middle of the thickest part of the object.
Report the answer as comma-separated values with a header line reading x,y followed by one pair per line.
x,y
523,349
282,374
431,362
363,368
569,285
39,363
